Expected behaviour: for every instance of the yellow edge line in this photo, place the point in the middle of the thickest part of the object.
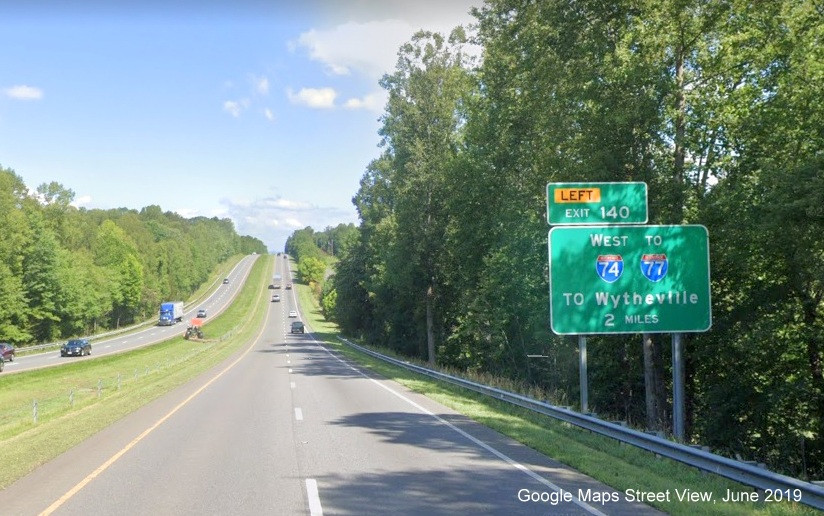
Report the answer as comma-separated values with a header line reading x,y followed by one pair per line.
x,y
103,467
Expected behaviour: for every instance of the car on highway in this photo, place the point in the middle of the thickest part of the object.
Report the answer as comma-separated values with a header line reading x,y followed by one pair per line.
x,y
297,327
77,347
288,286
7,351
201,312
225,281
275,298
293,313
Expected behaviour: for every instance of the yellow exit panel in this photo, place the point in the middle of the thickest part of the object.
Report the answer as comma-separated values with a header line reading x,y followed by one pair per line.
x,y
577,195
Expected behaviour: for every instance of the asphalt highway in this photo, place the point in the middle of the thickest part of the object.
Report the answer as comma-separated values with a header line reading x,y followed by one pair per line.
x,y
286,426
220,298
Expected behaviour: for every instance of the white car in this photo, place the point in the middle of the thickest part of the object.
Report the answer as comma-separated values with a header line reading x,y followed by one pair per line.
x,y
293,313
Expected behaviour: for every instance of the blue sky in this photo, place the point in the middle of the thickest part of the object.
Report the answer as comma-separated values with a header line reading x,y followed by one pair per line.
x,y
256,110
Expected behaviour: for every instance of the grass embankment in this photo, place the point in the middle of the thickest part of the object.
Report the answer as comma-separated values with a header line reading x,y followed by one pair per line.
x,y
76,400
621,466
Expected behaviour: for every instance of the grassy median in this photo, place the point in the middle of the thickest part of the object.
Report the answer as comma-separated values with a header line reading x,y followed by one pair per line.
x,y
47,411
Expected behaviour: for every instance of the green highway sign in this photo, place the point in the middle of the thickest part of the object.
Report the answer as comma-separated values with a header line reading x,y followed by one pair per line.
x,y
629,279
596,203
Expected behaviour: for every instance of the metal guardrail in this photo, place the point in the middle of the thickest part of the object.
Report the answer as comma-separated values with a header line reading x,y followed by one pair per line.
x,y
745,473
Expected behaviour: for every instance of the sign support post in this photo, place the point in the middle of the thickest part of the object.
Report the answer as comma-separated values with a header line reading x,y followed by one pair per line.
x,y
582,372
677,387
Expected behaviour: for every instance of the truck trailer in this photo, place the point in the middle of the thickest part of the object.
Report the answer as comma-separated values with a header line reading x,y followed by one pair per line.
x,y
171,312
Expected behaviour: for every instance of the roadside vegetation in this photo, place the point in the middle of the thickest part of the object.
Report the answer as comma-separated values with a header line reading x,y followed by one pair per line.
x,y
76,400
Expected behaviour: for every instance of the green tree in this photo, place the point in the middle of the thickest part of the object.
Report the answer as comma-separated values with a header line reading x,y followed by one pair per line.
x,y
40,279
115,252
311,270
15,235
421,131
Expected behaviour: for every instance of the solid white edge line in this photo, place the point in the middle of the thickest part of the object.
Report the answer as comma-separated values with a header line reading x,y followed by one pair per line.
x,y
315,508
512,462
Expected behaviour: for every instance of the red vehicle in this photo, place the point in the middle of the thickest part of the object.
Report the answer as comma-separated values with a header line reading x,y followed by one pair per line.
x,y
195,329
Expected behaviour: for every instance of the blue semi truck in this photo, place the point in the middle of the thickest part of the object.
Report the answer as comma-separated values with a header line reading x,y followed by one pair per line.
x,y
170,313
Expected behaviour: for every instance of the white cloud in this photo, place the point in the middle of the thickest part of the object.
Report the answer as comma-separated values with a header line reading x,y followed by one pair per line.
x,y
269,115
372,102
82,200
187,212
235,107
351,46
318,98
261,85
280,202
23,92
232,107
294,223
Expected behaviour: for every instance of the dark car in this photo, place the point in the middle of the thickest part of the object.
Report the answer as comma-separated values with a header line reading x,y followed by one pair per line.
x,y
226,281
288,286
297,327
201,312
7,351
77,347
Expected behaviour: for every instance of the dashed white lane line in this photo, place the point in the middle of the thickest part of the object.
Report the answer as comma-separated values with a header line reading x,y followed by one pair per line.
x,y
315,508
298,414
292,385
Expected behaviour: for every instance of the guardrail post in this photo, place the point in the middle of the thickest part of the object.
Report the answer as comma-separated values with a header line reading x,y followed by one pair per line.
x,y
118,381
71,398
99,387
34,411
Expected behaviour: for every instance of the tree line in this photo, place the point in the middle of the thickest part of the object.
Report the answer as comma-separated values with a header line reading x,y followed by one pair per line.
x,y
315,253
717,106
68,271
